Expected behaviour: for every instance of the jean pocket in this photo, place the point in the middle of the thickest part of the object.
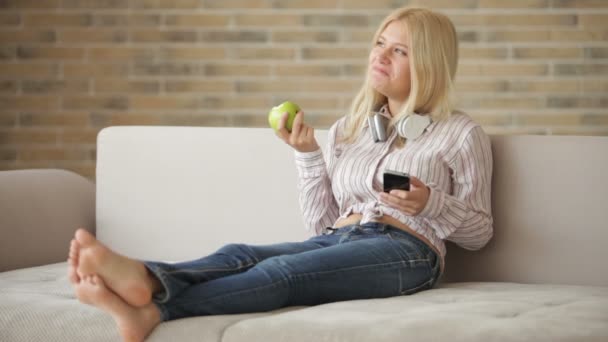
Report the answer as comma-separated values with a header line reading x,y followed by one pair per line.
x,y
417,272
411,248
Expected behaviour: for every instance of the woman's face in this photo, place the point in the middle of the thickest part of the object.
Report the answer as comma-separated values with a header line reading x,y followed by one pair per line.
x,y
389,65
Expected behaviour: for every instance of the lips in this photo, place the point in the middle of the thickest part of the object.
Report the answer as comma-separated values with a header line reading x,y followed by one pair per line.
x,y
380,70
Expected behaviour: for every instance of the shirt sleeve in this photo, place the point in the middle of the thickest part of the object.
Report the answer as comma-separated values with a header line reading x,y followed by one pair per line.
x,y
317,201
465,216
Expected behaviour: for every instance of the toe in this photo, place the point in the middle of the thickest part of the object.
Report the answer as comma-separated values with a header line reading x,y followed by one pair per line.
x,y
73,276
74,250
74,245
83,237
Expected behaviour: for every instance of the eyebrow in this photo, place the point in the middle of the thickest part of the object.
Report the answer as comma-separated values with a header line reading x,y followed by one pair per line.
x,y
382,37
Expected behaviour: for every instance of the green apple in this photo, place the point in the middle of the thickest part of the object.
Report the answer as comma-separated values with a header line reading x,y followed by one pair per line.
x,y
274,117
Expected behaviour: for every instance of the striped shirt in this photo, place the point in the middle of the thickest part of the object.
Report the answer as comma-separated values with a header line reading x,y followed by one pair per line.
x,y
452,157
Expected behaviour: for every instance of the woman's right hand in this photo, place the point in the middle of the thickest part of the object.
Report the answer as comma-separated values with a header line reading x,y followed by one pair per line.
x,y
302,136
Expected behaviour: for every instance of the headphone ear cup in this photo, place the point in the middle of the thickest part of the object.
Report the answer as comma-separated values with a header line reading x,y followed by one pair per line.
x,y
377,125
400,126
412,126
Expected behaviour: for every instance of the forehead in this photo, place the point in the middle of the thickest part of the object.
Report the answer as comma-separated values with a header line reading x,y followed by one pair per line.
x,y
396,31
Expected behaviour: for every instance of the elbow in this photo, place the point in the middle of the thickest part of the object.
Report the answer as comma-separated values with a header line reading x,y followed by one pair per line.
x,y
482,239
487,236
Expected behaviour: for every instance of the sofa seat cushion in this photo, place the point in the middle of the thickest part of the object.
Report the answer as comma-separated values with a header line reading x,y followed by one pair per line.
x,y
453,312
37,304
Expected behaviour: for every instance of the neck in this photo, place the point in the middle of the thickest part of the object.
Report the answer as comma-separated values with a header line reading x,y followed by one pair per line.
x,y
394,106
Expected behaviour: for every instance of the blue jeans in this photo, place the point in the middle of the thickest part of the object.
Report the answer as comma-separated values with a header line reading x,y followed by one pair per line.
x,y
373,260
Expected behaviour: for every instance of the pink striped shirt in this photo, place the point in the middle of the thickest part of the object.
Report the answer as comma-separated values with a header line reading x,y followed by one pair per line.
x,y
452,157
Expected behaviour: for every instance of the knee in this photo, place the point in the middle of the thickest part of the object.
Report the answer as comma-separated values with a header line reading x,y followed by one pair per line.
x,y
278,266
234,249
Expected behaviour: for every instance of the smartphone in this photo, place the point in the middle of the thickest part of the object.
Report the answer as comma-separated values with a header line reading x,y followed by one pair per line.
x,y
396,180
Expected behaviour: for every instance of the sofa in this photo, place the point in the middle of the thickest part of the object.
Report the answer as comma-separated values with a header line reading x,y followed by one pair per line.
x,y
175,193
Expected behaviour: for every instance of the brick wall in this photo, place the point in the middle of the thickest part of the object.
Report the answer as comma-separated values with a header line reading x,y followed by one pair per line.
x,y
68,68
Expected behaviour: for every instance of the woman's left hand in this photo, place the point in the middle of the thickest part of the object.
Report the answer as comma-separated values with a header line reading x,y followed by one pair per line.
x,y
410,202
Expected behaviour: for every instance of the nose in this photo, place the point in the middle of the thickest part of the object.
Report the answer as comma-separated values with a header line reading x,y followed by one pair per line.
x,y
382,56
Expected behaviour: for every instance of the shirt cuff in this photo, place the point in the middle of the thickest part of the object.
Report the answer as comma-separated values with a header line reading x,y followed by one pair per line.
x,y
434,204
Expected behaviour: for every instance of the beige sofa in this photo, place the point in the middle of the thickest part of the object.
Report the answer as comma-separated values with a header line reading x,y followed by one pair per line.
x,y
166,193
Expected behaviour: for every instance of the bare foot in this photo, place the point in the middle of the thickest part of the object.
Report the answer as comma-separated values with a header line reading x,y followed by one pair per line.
x,y
128,278
73,262
134,323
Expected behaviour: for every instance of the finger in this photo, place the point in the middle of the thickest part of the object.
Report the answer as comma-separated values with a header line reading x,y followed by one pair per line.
x,y
390,199
311,137
409,199
402,194
283,120
297,124
406,206
283,134
310,132
282,131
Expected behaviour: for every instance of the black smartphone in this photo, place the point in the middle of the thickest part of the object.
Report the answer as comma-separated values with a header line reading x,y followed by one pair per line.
x,y
396,180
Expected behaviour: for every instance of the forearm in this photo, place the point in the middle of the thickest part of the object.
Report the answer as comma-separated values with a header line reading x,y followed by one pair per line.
x,y
464,215
319,208
468,225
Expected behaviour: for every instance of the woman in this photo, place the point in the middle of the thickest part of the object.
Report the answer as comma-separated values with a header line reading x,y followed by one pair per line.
x,y
369,244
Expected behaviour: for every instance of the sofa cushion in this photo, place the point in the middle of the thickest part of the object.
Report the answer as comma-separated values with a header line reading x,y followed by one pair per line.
x,y
39,212
549,208
38,304
201,187
454,312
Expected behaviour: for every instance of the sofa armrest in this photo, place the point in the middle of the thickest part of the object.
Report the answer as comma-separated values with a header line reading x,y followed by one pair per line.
x,y
39,212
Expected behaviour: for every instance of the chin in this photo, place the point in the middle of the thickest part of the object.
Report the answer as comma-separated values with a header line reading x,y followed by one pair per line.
x,y
380,88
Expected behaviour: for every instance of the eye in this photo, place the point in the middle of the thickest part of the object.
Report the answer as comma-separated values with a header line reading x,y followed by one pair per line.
x,y
379,43
401,52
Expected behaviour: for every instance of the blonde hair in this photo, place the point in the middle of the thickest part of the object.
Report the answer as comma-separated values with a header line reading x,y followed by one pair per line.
x,y
433,58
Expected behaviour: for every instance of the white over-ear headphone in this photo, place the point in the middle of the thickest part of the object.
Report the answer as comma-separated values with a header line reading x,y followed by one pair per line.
x,y
410,127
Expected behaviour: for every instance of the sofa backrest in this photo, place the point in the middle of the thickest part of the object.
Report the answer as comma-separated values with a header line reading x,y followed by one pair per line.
x,y
175,193
39,211
550,209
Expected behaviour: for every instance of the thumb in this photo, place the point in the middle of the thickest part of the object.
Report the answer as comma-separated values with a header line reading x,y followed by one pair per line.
x,y
417,183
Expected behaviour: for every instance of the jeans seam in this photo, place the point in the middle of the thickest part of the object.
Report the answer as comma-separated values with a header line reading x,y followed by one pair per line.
x,y
390,264
295,276
237,292
416,288
162,277
189,270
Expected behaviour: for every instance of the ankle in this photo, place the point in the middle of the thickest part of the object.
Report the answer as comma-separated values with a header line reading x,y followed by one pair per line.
x,y
153,313
155,284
